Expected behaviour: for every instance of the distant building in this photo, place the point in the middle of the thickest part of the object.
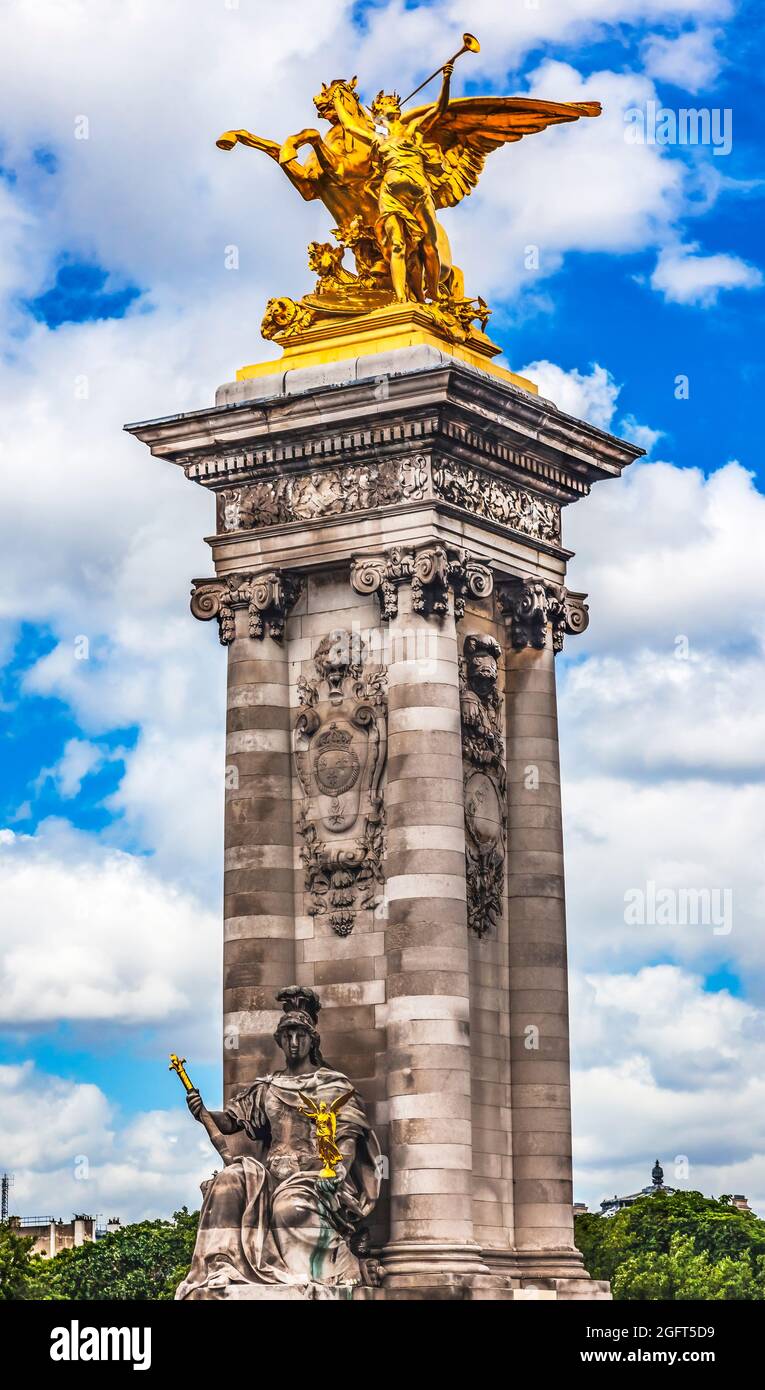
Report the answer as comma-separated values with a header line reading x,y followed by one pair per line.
x,y
614,1204
51,1236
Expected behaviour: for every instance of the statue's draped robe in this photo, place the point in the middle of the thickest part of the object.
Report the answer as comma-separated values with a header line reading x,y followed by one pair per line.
x,y
405,164
263,1221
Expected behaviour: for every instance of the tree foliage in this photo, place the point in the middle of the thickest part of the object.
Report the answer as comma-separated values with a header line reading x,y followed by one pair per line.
x,y
144,1261
676,1246
17,1264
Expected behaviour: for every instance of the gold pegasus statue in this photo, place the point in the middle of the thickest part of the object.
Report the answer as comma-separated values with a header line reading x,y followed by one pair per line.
x,y
383,173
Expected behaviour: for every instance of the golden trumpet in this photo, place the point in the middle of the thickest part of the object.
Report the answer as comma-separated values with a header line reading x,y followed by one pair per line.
x,y
470,44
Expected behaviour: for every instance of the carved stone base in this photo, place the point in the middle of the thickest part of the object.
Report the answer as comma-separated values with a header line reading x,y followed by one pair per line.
x,y
430,1287
431,1260
477,1288
270,1293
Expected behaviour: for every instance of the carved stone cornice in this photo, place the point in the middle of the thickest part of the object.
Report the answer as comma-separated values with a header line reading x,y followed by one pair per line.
x,y
432,571
446,410
268,596
533,605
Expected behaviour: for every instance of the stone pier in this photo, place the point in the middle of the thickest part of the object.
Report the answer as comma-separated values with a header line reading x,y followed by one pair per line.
x,y
388,578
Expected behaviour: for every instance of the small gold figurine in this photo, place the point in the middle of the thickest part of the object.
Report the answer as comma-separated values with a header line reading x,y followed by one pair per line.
x,y
325,1120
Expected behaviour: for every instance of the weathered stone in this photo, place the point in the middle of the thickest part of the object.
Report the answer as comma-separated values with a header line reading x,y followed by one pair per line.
x,y
419,886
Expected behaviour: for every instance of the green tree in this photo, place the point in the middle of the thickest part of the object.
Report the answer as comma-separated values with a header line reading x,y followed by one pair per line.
x,y
676,1246
684,1275
16,1263
140,1262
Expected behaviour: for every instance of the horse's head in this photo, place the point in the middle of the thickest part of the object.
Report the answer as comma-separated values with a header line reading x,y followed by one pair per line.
x,y
337,89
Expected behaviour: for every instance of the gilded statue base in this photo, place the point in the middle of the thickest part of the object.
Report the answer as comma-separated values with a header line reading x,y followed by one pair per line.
x,y
383,330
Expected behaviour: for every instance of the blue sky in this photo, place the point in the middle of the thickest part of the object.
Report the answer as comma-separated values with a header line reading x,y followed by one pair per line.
x,y
118,306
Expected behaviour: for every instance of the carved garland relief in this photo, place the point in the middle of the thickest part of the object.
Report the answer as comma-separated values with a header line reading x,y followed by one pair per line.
x,y
485,783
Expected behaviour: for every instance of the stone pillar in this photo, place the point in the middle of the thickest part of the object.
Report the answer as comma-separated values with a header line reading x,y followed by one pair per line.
x,y
258,883
394,469
538,613
428,988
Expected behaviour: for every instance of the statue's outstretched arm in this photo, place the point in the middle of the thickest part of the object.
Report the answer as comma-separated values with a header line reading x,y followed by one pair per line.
x,y
360,132
436,111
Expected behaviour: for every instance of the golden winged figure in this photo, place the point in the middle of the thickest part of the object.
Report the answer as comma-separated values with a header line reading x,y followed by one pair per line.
x,y
325,1122
383,173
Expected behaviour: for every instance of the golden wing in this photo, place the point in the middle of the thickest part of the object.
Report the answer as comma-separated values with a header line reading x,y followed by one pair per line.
x,y
308,1106
340,1102
471,127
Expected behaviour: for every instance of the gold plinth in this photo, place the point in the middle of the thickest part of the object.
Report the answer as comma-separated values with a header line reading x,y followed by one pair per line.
x,y
395,326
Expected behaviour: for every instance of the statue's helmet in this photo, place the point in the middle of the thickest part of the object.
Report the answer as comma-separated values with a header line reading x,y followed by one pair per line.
x,y
298,1018
386,106
301,1007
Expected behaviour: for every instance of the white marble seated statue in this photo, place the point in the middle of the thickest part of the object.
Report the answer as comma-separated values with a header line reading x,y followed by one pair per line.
x,y
273,1219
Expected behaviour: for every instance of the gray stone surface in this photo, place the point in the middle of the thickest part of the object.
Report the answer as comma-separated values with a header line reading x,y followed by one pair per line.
x,y
408,501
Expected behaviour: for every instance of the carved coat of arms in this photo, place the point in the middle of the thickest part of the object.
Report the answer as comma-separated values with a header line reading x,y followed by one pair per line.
x,y
339,745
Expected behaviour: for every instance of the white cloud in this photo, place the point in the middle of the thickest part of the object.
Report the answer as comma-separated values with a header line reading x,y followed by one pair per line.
x,y
70,1150
690,60
112,943
590,396
696,835
685,277
662,714
662,734
642,435
658,1063
401,35
80,759
666,552
610,196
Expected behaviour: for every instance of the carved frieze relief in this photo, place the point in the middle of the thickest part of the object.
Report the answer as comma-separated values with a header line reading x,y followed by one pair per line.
x,y
491,497
339,748
323,492
484,778
327,492
267,595
433,572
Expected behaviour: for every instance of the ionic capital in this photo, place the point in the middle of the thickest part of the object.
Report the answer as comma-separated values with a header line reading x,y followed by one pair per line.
x,y
268,596
432,571
533,605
